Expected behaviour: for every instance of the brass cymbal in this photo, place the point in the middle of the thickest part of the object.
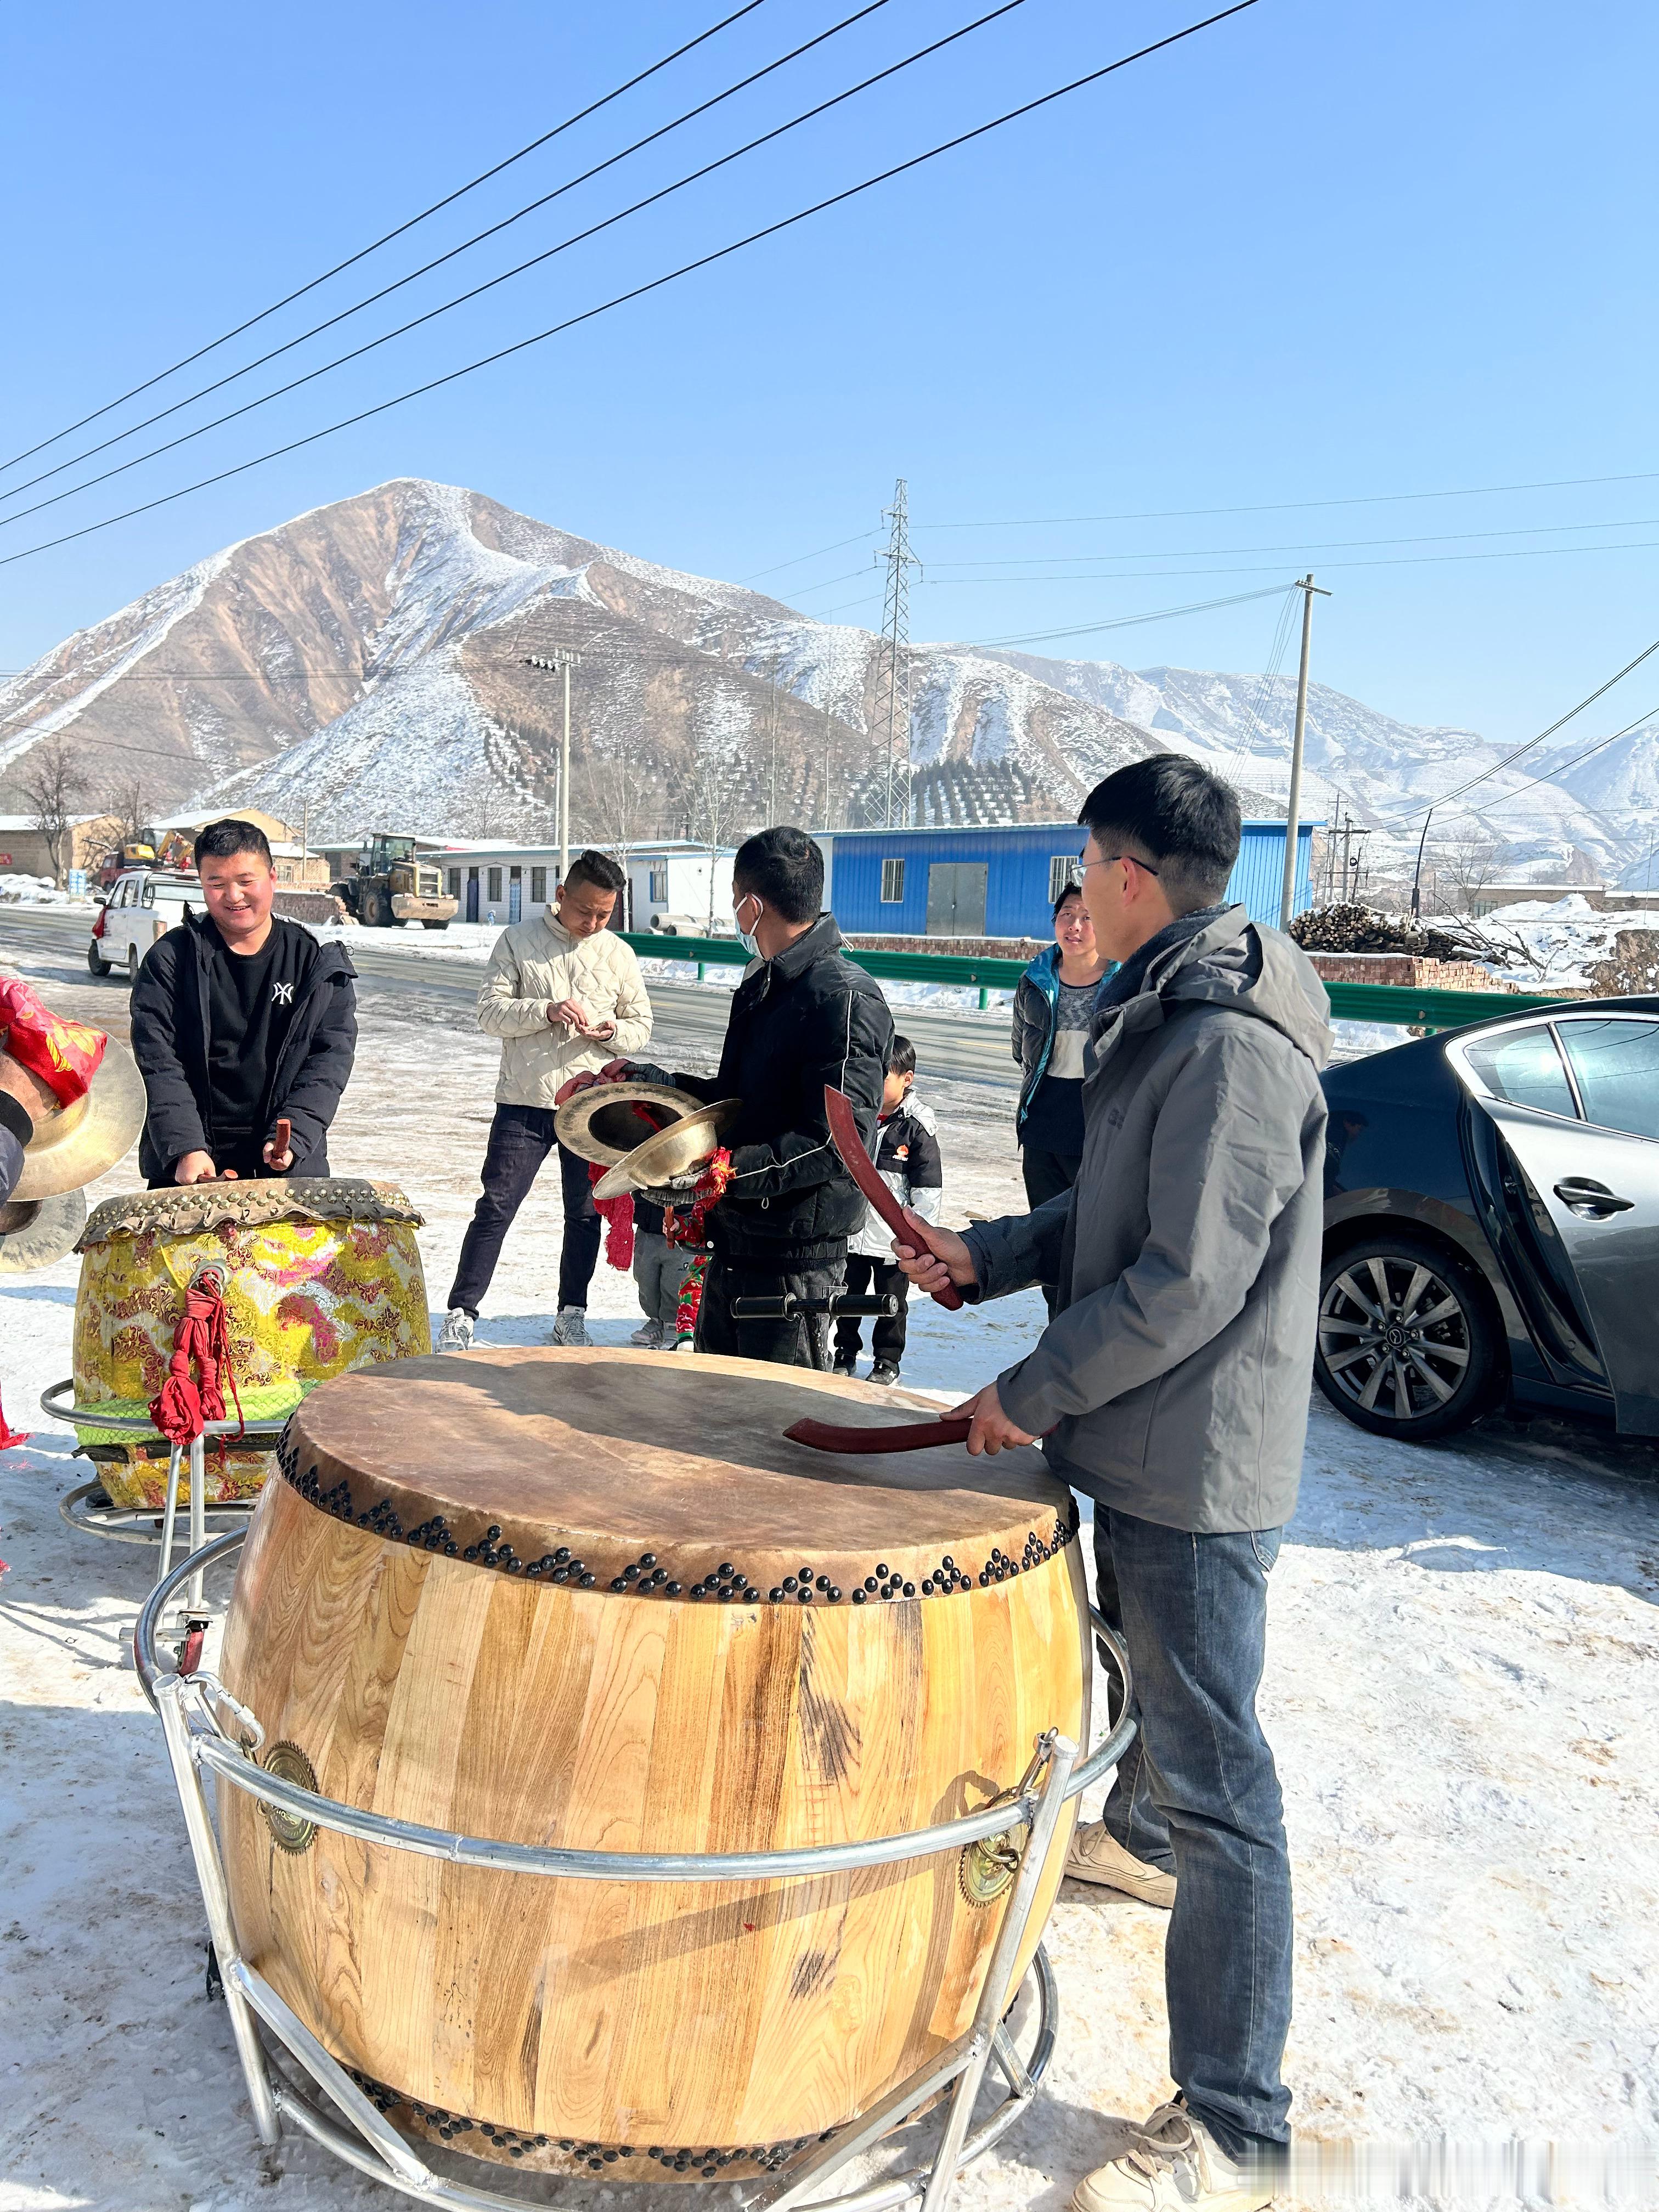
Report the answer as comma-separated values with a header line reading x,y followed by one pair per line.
x,y
75,1145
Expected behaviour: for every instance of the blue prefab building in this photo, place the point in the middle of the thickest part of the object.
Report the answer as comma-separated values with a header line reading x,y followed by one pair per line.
x,y
1003,881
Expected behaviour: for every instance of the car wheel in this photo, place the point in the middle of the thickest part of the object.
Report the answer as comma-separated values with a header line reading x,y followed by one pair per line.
x,y
1408,1345
96,962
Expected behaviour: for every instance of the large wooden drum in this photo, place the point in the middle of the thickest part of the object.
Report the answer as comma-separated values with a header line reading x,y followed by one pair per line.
x,y
321,1276
595,1599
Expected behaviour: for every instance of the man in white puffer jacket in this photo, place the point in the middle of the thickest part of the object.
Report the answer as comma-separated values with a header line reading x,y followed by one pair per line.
x,y
564,994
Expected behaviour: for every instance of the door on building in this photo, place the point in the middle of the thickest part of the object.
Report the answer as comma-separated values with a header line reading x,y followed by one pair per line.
x,y
515,895
956,898
472,894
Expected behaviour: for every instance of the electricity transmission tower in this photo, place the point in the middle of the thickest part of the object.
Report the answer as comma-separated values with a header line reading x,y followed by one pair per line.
x,y
896,644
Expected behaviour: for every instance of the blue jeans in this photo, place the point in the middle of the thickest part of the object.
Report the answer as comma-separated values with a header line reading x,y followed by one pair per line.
x,y
1197,1794
520,1138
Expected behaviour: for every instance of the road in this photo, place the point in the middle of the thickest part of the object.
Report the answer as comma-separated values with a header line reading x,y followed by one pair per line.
x,y
962,1048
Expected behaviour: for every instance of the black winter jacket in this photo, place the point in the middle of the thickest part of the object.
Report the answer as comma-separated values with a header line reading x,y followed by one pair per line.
x,y
170,1034
807,1017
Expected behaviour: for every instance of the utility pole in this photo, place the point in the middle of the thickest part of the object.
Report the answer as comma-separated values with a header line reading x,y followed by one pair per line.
x,y
1417,873
560,658
829,726
1293,810
896,637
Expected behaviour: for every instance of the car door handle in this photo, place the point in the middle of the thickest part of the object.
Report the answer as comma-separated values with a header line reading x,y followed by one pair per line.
x,y
1590,1199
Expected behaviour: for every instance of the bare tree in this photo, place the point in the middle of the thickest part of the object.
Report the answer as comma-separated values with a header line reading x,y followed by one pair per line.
x,y
53,787
1468,864
126,808
710,790
615,793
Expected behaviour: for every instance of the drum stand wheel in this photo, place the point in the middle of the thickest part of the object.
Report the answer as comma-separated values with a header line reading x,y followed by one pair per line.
x,y
206,1728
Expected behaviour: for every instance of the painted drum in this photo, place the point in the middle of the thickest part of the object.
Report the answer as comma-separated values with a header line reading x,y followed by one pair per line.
x,y
596,1599
322,1276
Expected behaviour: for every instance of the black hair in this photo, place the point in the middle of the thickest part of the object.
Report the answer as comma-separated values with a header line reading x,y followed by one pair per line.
x,y
597,869
1182,818
902,1059
1073,890
785,868
223,840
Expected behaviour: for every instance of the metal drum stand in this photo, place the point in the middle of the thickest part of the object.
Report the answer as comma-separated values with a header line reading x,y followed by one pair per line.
x,y
207,1728
124,1524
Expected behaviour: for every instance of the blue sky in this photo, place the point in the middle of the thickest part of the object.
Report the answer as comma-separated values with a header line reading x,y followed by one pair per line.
x,y
1315,253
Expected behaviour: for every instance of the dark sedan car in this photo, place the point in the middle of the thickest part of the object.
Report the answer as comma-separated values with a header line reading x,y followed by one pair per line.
x,y
1492,1223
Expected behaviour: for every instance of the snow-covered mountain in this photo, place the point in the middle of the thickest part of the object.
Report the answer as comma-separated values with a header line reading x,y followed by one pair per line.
x,y
1536,814
365,666
367,662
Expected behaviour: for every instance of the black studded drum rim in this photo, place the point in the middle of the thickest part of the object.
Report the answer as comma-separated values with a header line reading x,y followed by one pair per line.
x,y
457,1465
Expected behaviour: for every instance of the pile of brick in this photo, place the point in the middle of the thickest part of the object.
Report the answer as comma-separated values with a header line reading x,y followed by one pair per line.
x,y
1407,969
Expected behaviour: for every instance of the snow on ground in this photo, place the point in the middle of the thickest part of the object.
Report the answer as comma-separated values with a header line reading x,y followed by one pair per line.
x,y
39,890
1545,944
1459,1689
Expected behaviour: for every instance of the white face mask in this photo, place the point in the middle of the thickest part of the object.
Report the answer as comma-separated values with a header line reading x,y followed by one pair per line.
x,y
746,937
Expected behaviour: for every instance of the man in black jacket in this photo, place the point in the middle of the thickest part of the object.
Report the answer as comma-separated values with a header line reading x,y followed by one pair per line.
x,y
802,1016
240,1020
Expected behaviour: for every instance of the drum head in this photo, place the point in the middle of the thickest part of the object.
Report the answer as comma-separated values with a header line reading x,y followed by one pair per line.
x,y
652,1475
186,1209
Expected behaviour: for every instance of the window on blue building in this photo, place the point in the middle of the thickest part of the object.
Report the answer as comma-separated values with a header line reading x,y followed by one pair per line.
x,y
1063,869
892,883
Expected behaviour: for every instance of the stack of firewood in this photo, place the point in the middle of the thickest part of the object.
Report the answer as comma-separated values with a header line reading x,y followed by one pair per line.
x,y
1360,929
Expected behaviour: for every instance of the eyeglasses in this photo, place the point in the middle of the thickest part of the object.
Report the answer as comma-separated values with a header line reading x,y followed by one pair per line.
x,y
1106,860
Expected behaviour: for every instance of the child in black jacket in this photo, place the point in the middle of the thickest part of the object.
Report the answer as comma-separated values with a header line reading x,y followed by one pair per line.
x,y
907,1156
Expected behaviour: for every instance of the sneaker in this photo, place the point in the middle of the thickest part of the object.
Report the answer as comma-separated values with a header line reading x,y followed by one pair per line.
x,y
571,1327
883,1372
1095,1856
648,1336
686,1343
456,1334
845,1367
1174,2165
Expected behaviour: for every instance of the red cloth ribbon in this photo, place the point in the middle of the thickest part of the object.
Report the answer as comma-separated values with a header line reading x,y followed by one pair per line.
x,y
8,1438
66,1056
706,1193
187,1402
617,1215
685,1314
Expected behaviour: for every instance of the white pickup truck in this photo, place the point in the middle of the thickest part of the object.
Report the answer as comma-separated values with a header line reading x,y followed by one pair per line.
x,y
142,904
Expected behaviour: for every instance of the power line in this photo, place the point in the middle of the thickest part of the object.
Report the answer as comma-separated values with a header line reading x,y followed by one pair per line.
x,y
863,538
363,253
1308,545
425,270
1301,506
1497,767
654,284
1126,622
477,291
1566,767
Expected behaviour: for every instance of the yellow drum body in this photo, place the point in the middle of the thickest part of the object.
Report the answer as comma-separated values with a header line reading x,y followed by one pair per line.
x,y
321,1277
597,1599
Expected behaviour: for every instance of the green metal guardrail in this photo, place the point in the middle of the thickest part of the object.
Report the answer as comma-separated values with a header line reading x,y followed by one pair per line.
x,y
1355,1002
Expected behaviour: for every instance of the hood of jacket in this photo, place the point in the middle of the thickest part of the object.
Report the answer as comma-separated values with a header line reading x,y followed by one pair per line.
x,y
1230,961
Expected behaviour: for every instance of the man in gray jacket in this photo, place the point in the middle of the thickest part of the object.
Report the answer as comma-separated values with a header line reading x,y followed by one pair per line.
x,y
1172,1386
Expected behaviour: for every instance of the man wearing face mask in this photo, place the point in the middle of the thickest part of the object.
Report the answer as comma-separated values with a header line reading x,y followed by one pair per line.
x,y
803,1016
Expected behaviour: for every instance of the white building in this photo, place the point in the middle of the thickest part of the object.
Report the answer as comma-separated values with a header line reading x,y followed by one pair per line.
x,y
510,883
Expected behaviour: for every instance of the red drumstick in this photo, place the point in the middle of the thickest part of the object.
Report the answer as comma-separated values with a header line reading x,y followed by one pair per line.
x,y
284,1139
844,1132
907,1435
